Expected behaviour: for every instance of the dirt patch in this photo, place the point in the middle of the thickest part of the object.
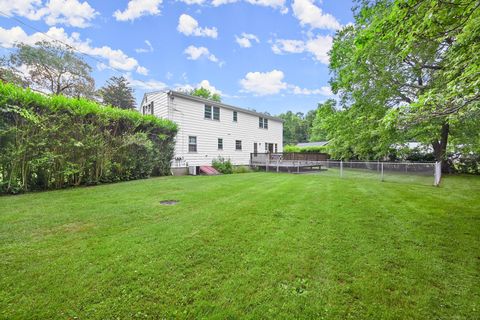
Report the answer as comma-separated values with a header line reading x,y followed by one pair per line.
x,y
169,202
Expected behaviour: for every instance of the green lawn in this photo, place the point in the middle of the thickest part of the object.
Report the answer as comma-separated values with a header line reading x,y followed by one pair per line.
x,y
258,245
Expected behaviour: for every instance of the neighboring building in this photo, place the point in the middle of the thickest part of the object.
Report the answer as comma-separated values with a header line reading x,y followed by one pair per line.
x,y
312,144
209,129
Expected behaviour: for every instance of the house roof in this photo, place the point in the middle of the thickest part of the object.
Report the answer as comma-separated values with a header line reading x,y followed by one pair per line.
x,y
312,144
214,103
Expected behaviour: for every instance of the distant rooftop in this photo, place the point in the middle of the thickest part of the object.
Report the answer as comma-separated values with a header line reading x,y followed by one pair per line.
x,y
312,144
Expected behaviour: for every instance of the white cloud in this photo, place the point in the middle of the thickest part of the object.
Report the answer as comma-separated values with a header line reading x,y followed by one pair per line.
x,y
67,12
202,84
138,8
195,53
318,47
275,4
217,3
149,48
189,27
263,83
148,85
206,85
116,58
290,46
245,40
142,70
309,14
323,91
190,2
267,83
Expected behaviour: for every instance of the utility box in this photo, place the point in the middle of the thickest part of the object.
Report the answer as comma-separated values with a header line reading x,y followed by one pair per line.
x,y
192,170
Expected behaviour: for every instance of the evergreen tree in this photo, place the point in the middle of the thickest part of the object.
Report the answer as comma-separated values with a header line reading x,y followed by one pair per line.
x,y
118,93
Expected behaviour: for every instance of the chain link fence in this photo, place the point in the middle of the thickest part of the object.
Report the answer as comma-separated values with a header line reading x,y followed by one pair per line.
x,y
427,173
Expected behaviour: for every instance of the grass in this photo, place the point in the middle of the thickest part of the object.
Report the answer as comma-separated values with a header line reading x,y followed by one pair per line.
x,y
257,245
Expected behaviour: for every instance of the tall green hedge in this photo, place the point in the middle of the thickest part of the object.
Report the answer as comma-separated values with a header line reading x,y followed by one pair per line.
x,y
290,148
51,142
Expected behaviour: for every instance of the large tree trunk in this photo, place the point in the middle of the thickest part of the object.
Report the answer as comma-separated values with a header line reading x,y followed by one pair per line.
x,y
440,147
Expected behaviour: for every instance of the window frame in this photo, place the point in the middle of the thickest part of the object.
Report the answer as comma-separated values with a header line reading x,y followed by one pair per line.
x,y
237,144
220,143
207,107
190,144
217,113
235,116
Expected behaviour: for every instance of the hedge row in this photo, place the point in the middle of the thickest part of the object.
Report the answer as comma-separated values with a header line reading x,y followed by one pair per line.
x,y
290,148
51,142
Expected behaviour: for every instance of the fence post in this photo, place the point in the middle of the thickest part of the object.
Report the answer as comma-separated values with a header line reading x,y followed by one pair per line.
x,y
438,173
341,168
382,171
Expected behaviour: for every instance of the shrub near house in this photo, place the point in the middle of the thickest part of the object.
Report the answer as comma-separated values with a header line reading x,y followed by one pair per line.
x,y
50,142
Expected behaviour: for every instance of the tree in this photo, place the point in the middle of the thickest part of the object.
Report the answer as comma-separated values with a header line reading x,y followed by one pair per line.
x,y
206,94
319,126
54,69
295,129
118,93
406,68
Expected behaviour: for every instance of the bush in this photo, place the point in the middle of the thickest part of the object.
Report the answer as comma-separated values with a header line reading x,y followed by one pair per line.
x,y
222,165
241,169
51,142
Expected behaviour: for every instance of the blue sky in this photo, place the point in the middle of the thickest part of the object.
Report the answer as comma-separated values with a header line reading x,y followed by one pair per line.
x,y
268,55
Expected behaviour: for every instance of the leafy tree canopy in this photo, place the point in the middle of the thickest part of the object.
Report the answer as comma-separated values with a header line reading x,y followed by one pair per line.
x,y
51,68
205,93
408,70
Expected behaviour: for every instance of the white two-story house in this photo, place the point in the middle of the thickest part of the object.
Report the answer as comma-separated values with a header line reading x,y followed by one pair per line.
x,y
209,129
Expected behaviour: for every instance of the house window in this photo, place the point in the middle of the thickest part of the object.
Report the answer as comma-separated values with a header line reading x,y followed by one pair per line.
x,y
220,144
263,123
235,116
216,113
148,109
238,144
192,144
276,149
208,112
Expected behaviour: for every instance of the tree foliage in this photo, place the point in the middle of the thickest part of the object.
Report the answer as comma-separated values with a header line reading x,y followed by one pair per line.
x,y
50,142
296,126
118,93
52,68
206,94
406,70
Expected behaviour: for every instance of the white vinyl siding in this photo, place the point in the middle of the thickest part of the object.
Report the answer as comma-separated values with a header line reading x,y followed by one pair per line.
x,y
190,118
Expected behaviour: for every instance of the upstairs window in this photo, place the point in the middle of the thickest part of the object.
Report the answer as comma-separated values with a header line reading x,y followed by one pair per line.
x,y
235,116
216,113
263,123
208,112
192,144
220,144
148,109
238,144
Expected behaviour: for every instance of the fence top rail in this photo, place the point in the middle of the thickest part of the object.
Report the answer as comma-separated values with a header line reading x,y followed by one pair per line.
x,y
384,162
